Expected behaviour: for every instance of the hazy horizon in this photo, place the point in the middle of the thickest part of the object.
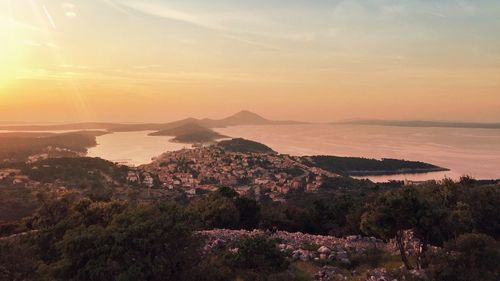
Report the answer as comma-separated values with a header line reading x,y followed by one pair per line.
x,y
318,61
221,116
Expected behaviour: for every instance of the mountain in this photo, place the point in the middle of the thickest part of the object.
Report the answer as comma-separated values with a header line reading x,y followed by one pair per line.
x,y
420,123
241,118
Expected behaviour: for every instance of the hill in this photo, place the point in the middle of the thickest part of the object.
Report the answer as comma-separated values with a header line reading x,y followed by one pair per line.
x,y
188,128
245,146
19,148
190,133
355,166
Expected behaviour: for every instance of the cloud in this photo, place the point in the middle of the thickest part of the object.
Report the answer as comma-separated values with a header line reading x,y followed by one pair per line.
x,y
33,43
14,23
173,14
238,25
68,5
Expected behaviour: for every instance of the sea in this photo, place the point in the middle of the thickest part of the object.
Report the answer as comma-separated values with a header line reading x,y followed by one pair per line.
x,y
472,152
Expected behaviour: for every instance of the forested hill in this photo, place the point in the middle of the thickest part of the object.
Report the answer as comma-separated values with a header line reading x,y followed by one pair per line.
x,y
245,146
356,166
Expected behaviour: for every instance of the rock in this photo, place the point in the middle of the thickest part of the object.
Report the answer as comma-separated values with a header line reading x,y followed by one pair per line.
x,y
352,238
341,255
304,255
324,250
327,273
345,261
378,274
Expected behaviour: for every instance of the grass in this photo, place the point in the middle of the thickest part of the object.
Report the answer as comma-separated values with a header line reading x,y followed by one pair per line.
x,y
304,270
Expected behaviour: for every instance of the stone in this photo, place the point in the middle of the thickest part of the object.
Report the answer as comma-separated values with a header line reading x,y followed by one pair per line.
x,y
345,261
324,250
352,238
341,255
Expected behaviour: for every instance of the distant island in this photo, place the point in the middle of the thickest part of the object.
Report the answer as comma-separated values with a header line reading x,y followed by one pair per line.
x,y
190,133
357,166
423,124
241,118
245,146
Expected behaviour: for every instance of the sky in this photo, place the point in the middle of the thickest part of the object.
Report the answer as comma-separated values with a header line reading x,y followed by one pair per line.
x,y
313,60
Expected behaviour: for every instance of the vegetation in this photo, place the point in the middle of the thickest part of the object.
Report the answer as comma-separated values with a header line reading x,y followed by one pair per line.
x,y
74,237
20,148
469,257
81,172
244,146
355,166
190,133
436,213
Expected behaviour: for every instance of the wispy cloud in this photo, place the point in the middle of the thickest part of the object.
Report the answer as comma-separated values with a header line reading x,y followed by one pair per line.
x,y
237,25
161,10
33,43
49,16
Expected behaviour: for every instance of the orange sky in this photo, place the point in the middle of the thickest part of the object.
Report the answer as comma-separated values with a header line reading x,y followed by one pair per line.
x,y
133,60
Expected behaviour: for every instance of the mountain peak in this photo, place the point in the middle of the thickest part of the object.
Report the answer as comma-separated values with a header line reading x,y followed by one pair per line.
x,y
248,115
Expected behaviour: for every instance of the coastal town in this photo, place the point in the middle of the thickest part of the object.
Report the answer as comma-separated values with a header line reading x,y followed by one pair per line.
x,y
207,168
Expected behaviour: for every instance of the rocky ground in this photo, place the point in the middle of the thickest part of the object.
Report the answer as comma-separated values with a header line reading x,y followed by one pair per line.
x,y
333,257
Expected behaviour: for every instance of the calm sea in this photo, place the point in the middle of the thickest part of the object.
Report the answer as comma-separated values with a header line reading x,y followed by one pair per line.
x,y
474,152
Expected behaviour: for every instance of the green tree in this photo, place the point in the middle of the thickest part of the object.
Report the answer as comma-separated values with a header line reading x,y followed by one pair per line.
x,y
215,211
16,261
249,212
469,257
259,255
392,214
142,243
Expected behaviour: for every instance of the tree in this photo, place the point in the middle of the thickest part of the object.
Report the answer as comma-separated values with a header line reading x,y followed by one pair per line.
x,y
142,243
16,261
390,215
260,255
249,212
469,257
215,211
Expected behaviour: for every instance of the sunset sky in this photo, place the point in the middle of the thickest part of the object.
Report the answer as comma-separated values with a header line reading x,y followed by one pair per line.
x,y
315,60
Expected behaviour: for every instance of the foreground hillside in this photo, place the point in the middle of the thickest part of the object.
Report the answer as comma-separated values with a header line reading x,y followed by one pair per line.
x,y
430,232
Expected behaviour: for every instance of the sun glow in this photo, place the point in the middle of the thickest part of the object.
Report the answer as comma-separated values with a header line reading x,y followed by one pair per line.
x,y
273,58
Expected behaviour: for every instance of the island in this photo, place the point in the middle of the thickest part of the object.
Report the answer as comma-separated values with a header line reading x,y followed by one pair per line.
x,y
358,166
190,133
245,146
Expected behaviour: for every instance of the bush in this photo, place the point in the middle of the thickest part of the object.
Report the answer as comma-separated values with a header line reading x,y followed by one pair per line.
x,y
469,257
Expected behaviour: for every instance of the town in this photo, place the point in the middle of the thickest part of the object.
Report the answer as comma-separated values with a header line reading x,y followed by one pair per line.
x,y
207,168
